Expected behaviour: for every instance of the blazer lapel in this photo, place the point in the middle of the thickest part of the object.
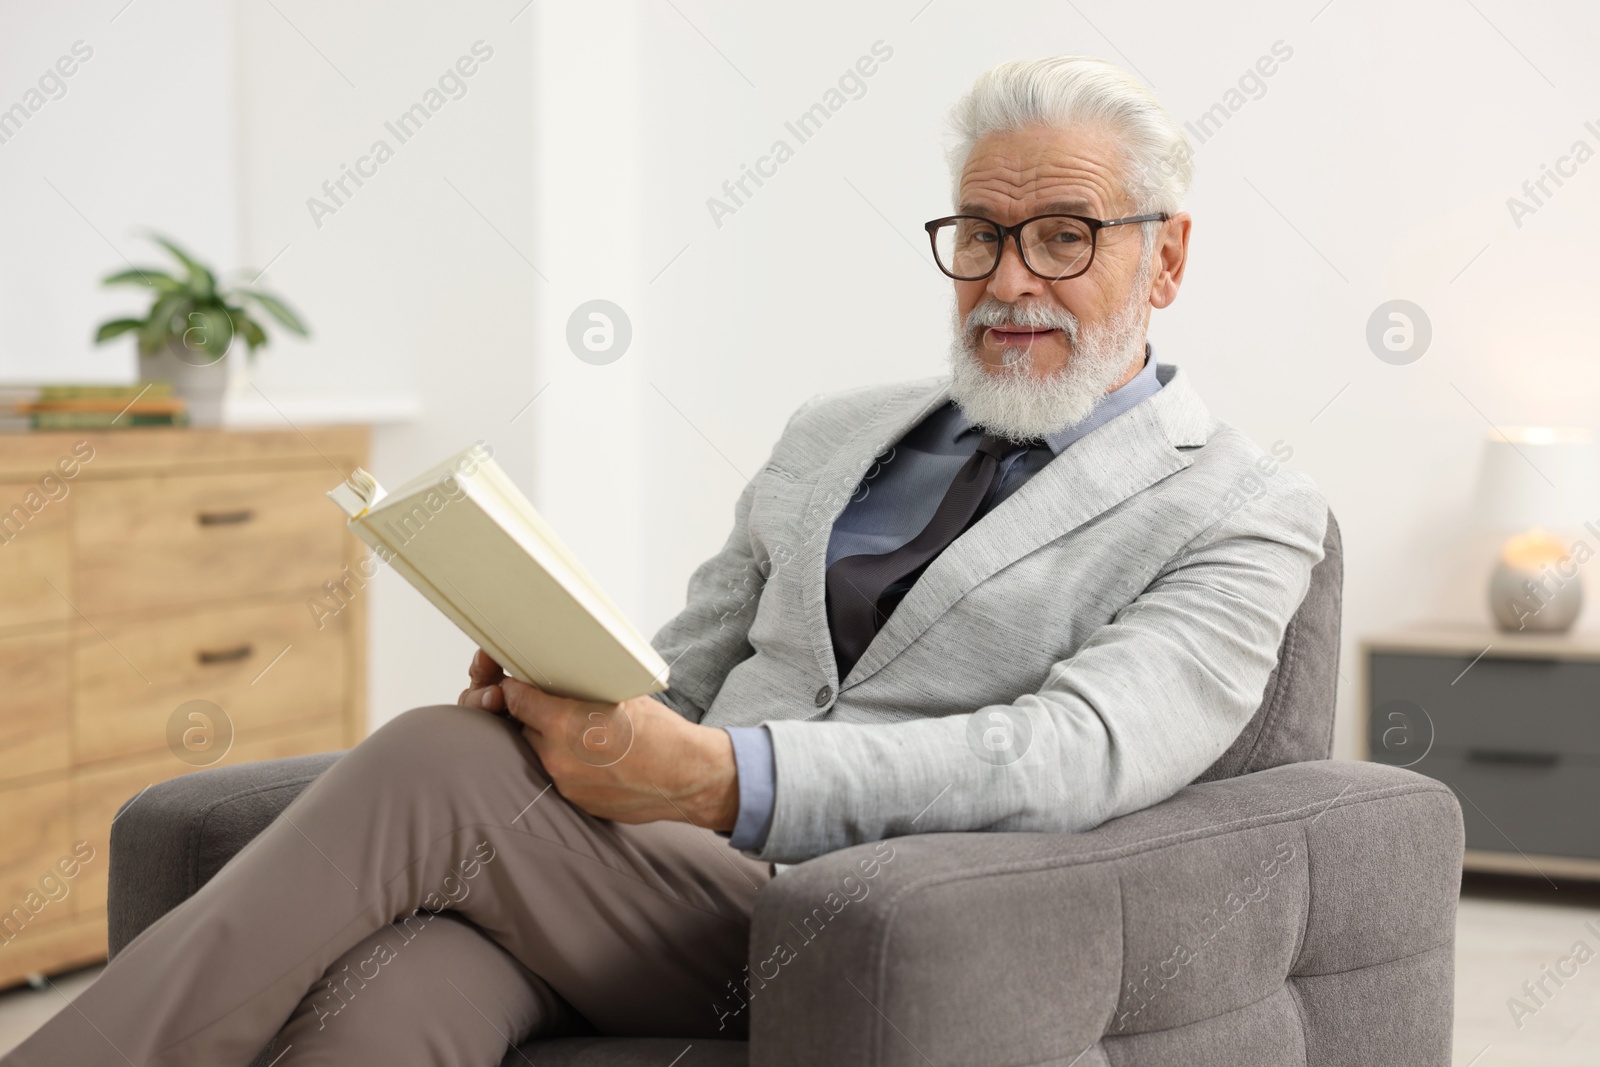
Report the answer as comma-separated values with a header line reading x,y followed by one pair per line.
x,y
1093,475
837,483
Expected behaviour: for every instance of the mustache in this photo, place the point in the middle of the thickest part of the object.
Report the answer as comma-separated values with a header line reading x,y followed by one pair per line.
x,y
1034,316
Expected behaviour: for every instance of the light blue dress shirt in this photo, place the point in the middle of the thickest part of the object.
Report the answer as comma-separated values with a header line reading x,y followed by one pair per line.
x,y
894,501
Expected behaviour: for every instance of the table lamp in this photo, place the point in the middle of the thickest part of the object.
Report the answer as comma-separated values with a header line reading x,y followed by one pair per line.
x,y
1536,481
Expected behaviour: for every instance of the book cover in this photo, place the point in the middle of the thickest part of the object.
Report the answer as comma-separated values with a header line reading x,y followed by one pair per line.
x,y
466,538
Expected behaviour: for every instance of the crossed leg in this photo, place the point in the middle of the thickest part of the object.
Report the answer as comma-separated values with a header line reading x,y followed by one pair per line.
x,y
431,989
639,928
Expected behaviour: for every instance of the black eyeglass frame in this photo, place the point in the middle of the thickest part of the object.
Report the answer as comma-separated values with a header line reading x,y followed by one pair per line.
x,y
1015,233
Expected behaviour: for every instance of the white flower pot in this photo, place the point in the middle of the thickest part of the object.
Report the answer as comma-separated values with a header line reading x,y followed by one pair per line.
x,y
201,384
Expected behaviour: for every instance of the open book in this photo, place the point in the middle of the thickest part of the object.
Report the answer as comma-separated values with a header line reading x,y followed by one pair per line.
x,y
469,541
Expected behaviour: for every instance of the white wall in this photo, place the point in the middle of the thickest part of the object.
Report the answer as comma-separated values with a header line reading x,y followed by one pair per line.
x,y
124,148
418,283
1375,166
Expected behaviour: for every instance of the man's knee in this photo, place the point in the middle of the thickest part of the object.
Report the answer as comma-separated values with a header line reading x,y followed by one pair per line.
x,y
440,737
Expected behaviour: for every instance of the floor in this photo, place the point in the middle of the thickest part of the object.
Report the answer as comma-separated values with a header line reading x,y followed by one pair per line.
x,y
1507,933
1510,931
23,1010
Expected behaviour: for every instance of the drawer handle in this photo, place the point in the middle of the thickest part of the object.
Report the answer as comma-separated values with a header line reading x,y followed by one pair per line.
x,y
225,518
209,656
1526,759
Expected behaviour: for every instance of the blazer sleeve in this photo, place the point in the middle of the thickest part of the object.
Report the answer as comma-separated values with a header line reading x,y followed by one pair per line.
x,y
1144,706
709,637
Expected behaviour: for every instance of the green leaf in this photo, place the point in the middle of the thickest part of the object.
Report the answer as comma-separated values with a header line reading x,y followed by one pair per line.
x,y
147,276
204,282
277,309
157,329
253,334
115,328
209,331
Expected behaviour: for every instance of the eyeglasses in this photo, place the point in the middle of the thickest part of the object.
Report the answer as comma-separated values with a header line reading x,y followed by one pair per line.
x,y
1054,247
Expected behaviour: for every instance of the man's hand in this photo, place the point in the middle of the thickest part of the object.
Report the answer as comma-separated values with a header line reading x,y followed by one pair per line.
x,y
634,762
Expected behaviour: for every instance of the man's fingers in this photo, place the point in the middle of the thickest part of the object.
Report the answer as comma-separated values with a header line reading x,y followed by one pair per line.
x,y
523,702
533,706
488,697
483,688
483,670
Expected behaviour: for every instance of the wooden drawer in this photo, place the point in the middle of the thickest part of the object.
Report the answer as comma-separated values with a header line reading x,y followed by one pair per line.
x,y
35,551
131,677
185,539
1502,704
99,794
35,704
37,821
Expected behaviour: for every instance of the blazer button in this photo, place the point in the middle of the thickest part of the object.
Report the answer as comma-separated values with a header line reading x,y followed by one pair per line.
x,y
824,695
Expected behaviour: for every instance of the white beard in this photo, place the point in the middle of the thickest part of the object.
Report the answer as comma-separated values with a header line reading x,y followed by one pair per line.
x,y
1008,401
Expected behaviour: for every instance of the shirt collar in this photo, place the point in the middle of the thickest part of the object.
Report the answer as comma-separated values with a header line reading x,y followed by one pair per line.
x,y
1134,391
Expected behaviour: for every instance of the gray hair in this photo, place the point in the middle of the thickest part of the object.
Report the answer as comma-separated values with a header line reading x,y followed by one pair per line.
x,y
1064,91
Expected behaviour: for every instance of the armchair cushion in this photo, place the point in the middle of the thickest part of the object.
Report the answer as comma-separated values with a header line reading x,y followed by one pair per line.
x,y
1300,915
169,840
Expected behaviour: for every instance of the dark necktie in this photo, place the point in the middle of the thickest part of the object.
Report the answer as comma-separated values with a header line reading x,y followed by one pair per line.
x,y
857,585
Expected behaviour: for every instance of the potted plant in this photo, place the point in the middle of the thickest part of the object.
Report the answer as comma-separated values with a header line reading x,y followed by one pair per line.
x,y
191,325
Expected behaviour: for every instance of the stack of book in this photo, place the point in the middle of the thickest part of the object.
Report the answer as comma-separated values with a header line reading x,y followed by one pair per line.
x,y
90,407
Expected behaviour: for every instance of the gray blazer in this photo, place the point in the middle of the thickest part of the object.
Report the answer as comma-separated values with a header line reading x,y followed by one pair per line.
x,y
1085,650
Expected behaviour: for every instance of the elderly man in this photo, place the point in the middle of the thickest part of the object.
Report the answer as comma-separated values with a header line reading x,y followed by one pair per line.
x,y
1042,591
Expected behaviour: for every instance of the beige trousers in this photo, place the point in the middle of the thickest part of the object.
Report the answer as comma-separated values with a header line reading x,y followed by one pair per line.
x,y
431,899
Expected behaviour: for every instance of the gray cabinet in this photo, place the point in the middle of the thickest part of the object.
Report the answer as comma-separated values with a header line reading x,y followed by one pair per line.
x,y
1511,723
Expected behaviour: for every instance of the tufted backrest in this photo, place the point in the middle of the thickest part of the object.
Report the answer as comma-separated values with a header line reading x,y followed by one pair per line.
x,y
1295,720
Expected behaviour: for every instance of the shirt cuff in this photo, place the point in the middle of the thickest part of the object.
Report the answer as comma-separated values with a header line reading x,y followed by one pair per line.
x,y
752,756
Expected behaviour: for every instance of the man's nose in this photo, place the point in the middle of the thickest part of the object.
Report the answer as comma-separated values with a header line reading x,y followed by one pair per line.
x,y
1012,280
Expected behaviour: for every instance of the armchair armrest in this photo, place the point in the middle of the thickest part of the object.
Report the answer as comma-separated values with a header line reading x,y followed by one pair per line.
x,y
169,840
1304,914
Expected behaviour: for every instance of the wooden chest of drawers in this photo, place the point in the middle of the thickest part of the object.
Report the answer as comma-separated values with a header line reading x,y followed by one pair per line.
x,y
155,618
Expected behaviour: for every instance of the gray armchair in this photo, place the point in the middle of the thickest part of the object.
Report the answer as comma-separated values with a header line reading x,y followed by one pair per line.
x,y
1283,909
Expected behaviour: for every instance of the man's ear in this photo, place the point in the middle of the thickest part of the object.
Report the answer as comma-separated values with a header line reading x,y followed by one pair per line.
x,y
1172,256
